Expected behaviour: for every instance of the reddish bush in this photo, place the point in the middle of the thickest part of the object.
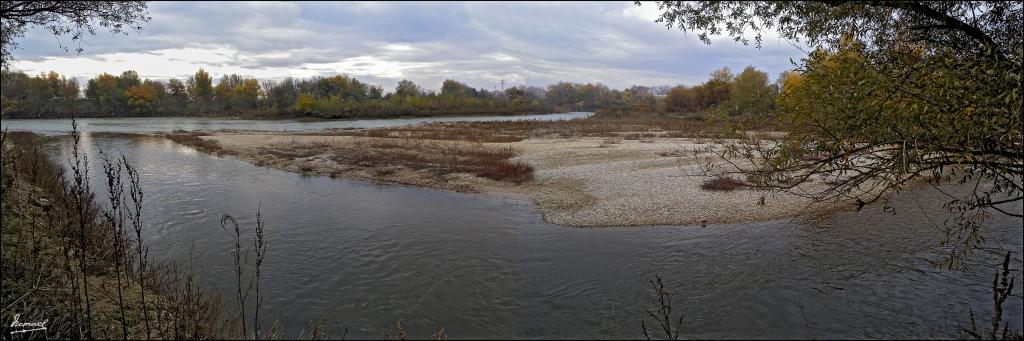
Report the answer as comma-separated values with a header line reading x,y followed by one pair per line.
x,y
515,171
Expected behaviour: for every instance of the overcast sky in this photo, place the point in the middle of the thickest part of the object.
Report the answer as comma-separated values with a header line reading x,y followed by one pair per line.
x,y
617,44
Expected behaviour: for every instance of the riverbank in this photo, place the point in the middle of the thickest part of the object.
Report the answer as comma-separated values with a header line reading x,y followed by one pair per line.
x,y
66,264
382,243
585,173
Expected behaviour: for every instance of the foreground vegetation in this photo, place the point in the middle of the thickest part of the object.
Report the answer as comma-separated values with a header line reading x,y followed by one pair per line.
x,y
892,93
83,267
79,265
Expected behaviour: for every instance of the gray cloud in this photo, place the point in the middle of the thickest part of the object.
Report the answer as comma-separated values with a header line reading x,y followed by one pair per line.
x,y
479,43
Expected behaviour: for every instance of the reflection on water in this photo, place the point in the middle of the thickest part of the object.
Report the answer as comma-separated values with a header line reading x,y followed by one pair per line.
x,y
363,255
169,124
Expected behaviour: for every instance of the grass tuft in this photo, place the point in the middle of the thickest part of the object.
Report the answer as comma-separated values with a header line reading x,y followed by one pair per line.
x,y
507,170
195,140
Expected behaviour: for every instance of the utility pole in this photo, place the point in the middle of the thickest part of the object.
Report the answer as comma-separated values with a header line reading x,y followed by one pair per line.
x,y
502,85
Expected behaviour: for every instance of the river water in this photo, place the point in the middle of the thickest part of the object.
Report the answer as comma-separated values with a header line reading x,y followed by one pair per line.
x,y
362,255
169,124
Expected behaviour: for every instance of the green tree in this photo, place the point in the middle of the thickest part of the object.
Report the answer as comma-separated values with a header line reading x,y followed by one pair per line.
x,y
305,104
200,90
639,97
246,94
222,96
750,93
281,95
563,94
375,92
128,79
177,89
451,87
45,95
407,88
106,91
717,89
682,99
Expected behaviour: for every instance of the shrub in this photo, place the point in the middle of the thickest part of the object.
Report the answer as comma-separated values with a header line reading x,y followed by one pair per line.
x,y
722,184
515,171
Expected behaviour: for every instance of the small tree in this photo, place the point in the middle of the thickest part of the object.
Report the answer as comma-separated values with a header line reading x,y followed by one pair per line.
x,y
750,93
200,90
681,99
406,88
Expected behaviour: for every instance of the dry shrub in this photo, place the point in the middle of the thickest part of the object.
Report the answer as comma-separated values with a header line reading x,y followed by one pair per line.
x,y
608,142
385,156
515,171
384,171
722,184
438,157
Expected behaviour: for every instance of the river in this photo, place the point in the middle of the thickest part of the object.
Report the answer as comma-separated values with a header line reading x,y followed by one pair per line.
x,y
362,255
169,124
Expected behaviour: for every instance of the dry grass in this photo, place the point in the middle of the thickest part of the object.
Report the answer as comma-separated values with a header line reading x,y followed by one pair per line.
x,y
515,171
458,147
460,131
630,126
194,140
608,142
639,136
386,156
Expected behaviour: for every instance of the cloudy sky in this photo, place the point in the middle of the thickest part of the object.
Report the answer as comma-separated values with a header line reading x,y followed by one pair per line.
x,y
615,43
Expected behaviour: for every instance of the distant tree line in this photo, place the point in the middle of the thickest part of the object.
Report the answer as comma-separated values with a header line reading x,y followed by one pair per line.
x,y
106,95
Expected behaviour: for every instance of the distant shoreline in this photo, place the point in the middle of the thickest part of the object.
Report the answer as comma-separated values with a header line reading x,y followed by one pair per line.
x,y
301,118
